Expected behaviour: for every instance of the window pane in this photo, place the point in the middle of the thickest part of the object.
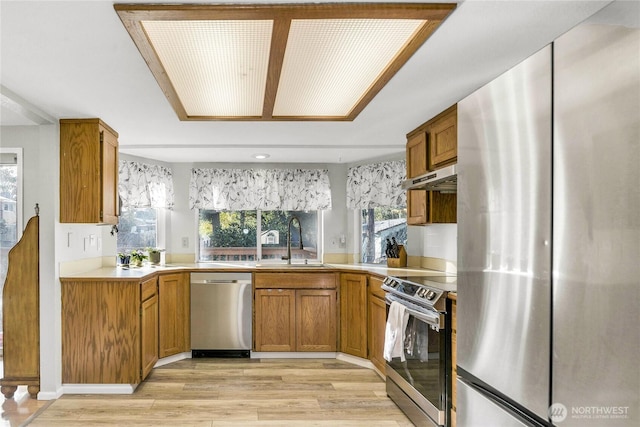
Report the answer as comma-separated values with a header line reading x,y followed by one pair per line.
x,y
378,225
227,236
275,225
137,229
9,187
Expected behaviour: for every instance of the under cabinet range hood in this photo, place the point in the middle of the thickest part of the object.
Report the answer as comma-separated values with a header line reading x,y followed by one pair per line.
x,y
444,180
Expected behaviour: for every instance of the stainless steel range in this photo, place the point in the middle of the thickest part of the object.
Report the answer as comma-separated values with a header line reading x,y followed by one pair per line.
x,y
419,381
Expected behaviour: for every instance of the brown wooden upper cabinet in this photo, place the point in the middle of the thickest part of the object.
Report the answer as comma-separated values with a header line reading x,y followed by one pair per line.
x,y
88,172
417,155
432,145
443,141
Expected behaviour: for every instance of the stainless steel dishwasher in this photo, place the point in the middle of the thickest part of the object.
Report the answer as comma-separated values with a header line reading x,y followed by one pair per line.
x,y
221,314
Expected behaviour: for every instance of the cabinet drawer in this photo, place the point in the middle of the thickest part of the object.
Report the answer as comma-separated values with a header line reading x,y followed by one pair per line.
x,y
149,289
375,287
295,280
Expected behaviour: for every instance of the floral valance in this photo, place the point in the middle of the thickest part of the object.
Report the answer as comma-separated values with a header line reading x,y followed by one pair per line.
x,y
376,185
143,185
266,189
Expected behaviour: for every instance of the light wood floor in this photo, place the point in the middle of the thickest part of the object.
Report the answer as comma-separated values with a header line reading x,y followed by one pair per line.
x,y
238,392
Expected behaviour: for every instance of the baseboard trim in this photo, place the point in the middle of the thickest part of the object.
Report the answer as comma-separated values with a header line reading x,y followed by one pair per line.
x,y
98,388
293,355
173,358
50,395
359,361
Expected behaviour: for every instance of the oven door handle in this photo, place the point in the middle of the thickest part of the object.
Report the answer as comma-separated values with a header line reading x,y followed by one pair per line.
x,y
431,319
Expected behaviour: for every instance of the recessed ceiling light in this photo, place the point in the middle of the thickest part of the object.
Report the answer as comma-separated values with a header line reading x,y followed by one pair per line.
x,y
261,156
277,62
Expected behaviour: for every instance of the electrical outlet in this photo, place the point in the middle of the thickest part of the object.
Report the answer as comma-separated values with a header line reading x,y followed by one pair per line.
x,y
185,242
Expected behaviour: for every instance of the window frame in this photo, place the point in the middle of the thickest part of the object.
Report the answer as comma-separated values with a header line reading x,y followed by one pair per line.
x,y
358,220
160,226
258,257
18,151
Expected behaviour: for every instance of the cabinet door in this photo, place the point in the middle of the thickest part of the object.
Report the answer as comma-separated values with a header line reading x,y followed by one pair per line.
x,y
100,332
79,172
443,139
417,207
442,208
274,324
174,321
316,320
353,314
109,163
377,325
149,334
417,155
88,172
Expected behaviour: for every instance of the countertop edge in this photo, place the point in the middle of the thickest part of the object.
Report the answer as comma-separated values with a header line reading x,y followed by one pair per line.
x,y
142,273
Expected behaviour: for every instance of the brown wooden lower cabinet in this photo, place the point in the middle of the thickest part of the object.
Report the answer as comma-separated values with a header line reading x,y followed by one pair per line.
x,y
353,314
174,314
295,312
101,334
114,331
377,322
275,325
149,325
316,319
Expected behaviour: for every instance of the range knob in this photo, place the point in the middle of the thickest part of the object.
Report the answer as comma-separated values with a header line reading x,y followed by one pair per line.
x,y
392,283
431,295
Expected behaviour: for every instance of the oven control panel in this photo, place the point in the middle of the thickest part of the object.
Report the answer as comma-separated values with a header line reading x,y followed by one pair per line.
x,y
418,293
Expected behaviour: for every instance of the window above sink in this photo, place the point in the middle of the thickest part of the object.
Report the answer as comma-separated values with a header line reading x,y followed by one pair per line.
x,y
257,236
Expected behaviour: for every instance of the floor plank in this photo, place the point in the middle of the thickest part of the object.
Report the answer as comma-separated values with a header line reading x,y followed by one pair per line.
x,y
238,392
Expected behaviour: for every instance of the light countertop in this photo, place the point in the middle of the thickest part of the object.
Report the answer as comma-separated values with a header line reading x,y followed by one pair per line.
x,y
124,273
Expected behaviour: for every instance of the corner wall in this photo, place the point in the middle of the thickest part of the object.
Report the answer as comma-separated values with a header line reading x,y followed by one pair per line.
x,y
40,185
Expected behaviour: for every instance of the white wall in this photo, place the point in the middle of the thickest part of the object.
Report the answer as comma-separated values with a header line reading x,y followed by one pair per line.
x,y
40,146
433,241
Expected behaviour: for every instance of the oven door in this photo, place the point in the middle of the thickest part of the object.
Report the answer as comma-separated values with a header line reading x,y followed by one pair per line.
x,y
418,385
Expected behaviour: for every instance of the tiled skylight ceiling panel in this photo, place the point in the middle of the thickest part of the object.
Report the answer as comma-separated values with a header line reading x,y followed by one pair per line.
x,y
330,64
311,61
218,68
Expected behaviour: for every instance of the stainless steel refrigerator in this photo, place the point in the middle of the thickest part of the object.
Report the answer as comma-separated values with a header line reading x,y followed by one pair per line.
x,y
549,234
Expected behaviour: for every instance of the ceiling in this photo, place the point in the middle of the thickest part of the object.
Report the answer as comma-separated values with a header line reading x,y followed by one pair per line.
x,y
75,59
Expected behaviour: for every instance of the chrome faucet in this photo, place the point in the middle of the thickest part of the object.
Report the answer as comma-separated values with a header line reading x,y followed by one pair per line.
x,y
288,257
